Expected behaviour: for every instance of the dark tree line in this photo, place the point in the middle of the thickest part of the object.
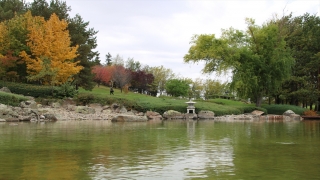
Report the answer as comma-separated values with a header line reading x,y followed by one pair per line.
x,y
303,38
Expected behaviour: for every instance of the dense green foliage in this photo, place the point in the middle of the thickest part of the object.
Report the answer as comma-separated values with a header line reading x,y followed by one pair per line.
x,y
11,99
28,89
303,37
281,108
177,87
258,58
65,90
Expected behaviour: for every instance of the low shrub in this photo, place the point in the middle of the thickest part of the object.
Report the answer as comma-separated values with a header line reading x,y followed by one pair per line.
x,y
11,99
84,99
310,113
28,89
65,90
281,108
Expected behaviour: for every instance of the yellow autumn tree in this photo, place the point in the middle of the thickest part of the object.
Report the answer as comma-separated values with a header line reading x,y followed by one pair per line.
x,y
52,58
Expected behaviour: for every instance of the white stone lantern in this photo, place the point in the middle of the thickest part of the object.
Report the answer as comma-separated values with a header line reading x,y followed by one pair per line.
x,y
191,109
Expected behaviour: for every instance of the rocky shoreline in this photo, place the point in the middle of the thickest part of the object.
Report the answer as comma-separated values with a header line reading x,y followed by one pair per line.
x,y
68,110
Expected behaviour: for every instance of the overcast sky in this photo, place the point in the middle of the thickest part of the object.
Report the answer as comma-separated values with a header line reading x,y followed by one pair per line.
x,y
158,32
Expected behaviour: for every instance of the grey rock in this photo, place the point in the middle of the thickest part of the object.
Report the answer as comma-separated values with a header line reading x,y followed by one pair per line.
x,y
129,118
153,115
55,105
84,110
206,115
12,119
28,104
288,113
5,89
50,117
171,114
24,118
123,110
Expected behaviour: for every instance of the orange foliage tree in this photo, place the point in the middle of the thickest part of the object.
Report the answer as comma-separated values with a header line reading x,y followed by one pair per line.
x,y
52,58
102,74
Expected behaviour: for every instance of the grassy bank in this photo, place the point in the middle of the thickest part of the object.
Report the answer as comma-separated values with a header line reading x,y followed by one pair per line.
x,y
143,103
11,99
161,104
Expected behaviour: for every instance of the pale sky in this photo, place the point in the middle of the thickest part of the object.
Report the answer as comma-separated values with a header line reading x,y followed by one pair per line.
x,y
158,32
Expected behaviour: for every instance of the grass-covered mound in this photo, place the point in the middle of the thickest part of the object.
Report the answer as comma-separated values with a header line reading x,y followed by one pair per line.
x,y
142,102
11,99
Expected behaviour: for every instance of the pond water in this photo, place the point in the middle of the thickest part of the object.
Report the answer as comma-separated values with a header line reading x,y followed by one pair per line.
x,y
160,150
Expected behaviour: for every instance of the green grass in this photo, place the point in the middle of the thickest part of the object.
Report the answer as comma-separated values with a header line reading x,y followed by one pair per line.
x,y
11,99
142,102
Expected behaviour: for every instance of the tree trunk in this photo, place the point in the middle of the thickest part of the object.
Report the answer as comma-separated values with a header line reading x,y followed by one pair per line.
x,y
259,101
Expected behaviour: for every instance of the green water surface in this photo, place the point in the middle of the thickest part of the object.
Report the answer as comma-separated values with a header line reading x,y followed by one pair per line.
x,y
160,150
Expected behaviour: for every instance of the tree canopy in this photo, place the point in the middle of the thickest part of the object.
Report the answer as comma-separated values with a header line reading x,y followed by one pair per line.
x,y
51,52
258,57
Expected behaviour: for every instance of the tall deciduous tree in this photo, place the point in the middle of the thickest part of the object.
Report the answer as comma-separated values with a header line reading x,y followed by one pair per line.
x,y
161,76
141,80
102,74
213,89
118,60
13,39
259,58
80,34
133,65
177,87
120,76
49,43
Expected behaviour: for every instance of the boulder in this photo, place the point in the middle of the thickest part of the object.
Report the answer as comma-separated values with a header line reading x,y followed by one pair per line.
x,y
71,107
50,117
288,113
115,107
24,118
295,117
29,104
153,115
84,110
123,110
12,119
55,105
256,112
129,118
206,115
5,89
172,114
7,112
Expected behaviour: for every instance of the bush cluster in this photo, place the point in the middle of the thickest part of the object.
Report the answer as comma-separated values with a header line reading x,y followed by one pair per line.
x,y
281,108
11,99
28,89
65,90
